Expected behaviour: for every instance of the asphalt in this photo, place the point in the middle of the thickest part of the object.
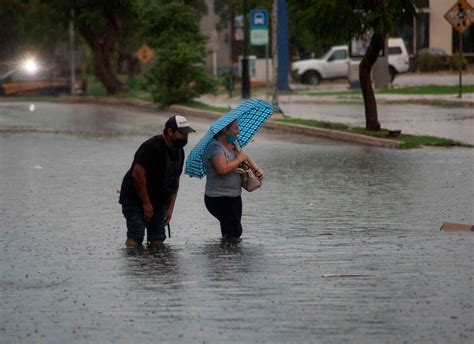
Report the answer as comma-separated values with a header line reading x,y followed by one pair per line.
x,y
342,244
446,116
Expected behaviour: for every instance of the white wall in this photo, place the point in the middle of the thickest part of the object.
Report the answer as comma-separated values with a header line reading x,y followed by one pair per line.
x,y
260,70
219,42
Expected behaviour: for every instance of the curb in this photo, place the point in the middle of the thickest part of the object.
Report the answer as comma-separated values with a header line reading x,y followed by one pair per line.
x,y
414,101
299,129
187,111
280,127
112,101
333,134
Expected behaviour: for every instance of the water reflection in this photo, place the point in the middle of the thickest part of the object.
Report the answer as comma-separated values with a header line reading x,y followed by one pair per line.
x,y
324,210
230,260
153,266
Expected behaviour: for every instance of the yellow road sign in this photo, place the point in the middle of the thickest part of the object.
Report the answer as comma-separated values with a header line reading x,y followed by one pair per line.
x,y
460,15
145,54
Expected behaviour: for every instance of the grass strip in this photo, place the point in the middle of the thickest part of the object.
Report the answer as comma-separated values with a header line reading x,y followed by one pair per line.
x,y
96,89
431,89
202,106
408,141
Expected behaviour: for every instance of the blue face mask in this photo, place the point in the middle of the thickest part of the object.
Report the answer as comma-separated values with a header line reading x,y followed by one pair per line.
x,y
231,138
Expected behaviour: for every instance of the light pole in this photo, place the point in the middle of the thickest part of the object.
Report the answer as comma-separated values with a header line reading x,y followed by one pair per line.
x,y
245,59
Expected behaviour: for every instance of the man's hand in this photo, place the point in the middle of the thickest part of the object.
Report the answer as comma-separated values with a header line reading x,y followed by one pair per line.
x,y
168,215
148,211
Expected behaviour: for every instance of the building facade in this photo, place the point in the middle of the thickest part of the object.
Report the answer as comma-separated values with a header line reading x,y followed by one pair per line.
x,y
429,29
219,42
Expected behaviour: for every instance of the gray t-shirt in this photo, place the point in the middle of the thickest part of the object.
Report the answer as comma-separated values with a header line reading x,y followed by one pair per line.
x,y
217,185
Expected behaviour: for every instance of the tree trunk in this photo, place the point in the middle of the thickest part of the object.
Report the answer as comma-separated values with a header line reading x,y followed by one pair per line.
x,y
377,43
104,48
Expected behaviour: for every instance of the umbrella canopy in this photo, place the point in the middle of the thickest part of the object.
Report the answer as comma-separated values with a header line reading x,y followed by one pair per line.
x,y
250,116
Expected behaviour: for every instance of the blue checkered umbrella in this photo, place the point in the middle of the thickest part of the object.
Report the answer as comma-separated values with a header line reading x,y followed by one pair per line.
x,y
250,116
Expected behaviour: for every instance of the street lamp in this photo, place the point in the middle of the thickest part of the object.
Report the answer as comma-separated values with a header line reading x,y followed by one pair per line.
x,y
30,66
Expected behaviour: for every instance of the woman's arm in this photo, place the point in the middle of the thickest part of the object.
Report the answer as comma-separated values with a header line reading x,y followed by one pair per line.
x,y
225,167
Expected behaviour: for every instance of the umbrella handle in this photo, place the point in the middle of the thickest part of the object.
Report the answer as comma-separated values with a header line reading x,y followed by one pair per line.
x,y
237,146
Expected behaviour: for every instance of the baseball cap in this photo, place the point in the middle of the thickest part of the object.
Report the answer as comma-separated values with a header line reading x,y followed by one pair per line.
x,y
180,123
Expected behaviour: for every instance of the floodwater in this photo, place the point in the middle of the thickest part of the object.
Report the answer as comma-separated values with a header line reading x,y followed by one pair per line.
x,y
341,245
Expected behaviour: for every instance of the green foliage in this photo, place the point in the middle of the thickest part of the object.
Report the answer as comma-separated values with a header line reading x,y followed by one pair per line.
x,y
456,59
173,30
337,21
429,63
27,28
226,8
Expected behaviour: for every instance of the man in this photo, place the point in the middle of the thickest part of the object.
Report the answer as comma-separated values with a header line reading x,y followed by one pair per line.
x,y
149,188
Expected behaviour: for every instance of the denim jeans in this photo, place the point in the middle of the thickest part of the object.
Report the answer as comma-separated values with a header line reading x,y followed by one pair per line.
x,y
136,223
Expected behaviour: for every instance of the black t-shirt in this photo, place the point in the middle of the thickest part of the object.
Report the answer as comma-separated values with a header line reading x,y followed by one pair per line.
x,y
163,167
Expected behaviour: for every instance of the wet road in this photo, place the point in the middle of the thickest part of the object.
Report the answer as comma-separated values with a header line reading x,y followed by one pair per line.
x,y
342,243
455,123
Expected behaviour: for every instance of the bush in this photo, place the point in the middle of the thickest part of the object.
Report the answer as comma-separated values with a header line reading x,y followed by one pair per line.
x,y
137,82
180,73
429,63
456,59
176,77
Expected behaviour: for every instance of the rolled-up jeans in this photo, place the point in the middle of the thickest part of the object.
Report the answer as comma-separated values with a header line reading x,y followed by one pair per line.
x,y
136,223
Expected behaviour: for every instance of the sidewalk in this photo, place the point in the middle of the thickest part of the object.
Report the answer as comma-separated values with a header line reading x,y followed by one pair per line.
x,y
413,114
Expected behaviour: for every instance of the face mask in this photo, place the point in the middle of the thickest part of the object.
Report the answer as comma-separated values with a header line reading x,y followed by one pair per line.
x,y
231,138
180,143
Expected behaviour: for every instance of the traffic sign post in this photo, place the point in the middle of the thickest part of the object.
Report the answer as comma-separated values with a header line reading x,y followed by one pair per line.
x,y
259,27
259,35
460,16
145,54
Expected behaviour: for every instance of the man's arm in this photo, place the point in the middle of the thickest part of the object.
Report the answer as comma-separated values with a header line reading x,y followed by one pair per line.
x,y
139,181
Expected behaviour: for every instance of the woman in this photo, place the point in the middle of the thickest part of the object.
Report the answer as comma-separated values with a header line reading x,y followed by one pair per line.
x,y
223,191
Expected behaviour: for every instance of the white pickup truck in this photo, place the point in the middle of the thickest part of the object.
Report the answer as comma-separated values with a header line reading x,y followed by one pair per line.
x,y
335,63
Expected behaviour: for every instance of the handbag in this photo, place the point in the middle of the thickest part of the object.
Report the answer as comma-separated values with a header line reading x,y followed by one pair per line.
x,y
249,181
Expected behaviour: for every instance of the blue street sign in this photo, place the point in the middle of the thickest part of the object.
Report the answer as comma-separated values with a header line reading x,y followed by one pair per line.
x,y
258,19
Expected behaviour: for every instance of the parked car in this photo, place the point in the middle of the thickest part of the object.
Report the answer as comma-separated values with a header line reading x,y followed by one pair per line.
x,y
20,82
334,64
434,52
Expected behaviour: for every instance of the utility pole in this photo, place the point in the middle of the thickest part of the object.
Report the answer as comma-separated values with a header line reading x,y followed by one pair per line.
x,y
280,48
283,47
71,50
245,59
275,100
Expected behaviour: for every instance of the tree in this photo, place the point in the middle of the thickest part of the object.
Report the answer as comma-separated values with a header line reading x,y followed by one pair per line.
x,y
99,23
27,28
41,24
172,29
341,20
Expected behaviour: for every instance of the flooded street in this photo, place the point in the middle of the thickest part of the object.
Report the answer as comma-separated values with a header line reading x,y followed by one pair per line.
x,y
341,244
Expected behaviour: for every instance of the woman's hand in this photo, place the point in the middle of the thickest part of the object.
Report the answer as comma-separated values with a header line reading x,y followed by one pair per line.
x,y
259,173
